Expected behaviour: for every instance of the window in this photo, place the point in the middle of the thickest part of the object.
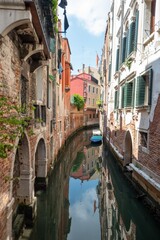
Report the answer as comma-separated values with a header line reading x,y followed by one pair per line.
x,y
37,112
117,59
89,88
93,89
39,82
128,95
143,139
24,93
49,94
129,41
116,100
144,89
149,18
96,90
93,102
43,115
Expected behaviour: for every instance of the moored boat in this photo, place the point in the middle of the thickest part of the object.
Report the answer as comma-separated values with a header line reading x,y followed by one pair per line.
x,y
96,136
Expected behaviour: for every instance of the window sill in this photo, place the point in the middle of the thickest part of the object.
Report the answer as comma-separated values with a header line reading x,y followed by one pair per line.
x,y
141,108
143,149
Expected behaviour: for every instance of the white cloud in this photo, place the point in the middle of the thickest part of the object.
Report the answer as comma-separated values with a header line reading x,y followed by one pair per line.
x,y
92,14
84,208
85,223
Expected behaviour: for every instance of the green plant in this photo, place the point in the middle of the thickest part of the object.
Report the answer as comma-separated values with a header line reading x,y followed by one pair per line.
x,y
78,101
99,103
13,122
54,12
128,63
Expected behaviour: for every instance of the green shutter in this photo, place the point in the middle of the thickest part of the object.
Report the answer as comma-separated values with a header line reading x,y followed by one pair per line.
x,y
133,93
117,60
136,30
131,37
150,74
115,99
126,47
122,97
123,49
128,94
140,91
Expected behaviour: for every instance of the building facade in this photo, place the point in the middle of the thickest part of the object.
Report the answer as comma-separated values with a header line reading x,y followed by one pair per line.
x,y
130,71
33,104
88,87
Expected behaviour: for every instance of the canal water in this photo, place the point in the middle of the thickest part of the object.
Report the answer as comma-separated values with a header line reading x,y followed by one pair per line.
x,y
89,198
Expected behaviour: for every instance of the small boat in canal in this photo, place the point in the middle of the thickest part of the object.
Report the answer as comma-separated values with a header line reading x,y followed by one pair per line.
x,y
96,136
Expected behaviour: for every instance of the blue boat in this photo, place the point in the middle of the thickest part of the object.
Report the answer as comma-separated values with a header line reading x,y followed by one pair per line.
x,y
96,136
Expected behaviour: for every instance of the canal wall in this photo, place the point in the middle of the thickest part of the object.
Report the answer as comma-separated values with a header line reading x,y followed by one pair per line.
x,y
148,188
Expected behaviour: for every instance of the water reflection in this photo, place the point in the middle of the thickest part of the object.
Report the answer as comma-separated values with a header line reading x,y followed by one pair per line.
x,y
123,216
84,177
88,197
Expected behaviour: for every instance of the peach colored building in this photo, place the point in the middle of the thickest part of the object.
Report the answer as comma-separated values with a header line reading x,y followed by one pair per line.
x,y
87,86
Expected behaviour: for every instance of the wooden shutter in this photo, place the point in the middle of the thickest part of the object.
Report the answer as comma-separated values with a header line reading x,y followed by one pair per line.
x,y
122,97
136,30
117,60
126,47
133,93
150,75
123,49
116,100
131,37
128,95
140,91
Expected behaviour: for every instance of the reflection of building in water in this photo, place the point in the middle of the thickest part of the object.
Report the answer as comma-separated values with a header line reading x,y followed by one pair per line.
x,y
115,223
87,163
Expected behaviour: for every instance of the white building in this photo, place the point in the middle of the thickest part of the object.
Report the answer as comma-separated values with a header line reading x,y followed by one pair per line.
x,y
131,78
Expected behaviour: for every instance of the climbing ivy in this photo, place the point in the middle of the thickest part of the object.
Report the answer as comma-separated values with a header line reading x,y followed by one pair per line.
x,y
54,12
12,124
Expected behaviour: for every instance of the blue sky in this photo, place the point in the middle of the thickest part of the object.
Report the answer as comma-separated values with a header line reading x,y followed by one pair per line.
x,y
87,23
85,223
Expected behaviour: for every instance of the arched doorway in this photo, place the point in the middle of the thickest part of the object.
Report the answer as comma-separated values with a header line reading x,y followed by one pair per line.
x,y
22,174
21,185
128,149
40,165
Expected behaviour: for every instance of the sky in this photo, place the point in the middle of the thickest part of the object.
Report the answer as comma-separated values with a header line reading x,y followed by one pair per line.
x,y
87,24
85,222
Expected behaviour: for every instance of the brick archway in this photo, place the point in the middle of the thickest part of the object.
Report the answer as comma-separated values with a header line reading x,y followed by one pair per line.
x,y
128,149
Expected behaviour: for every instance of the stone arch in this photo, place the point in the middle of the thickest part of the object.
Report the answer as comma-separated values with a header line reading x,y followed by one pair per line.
x,y
39,49
22,172
40,167
13,20
128,148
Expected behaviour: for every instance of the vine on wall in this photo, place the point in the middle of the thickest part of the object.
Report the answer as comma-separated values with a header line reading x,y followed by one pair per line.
x,y
12,125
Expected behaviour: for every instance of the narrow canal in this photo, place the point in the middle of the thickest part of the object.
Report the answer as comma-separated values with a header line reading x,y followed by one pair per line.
x,y
89,198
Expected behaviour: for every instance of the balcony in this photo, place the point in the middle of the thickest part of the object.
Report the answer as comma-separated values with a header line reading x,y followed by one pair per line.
x,y
42,16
